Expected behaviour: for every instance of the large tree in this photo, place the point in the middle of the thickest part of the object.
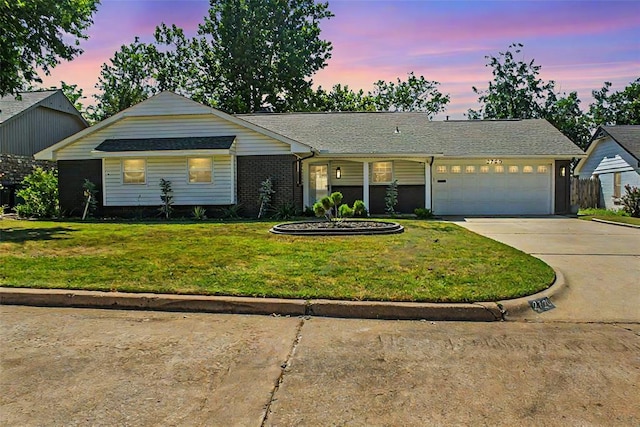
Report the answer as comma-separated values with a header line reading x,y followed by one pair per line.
x,y
617,108
414,94
248,54
36,35
565,114
516,91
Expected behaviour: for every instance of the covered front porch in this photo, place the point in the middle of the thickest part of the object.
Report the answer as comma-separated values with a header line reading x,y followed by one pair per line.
x,y
367,179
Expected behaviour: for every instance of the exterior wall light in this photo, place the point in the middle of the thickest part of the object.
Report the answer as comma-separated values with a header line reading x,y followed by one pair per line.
x,y
338,173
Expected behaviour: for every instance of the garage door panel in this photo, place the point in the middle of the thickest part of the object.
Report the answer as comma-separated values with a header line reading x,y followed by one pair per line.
x,y
512,189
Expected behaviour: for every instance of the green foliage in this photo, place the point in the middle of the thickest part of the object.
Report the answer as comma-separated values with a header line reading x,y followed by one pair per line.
x,y
618,108
391,198
336,198
91,202
516,91
318,209
422,213
199,213
264,196
329,206
74,94
339,98
38,34
39,195
166,195
359,209
414,94
231,212
631,201
286,211
345,211
602,212
247,54
565,114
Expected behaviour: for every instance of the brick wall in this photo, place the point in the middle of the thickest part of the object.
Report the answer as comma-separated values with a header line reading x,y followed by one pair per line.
x,y
252,170
71,176
13,169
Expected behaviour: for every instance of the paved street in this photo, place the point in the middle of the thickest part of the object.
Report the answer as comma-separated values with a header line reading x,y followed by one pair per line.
x,y
578,364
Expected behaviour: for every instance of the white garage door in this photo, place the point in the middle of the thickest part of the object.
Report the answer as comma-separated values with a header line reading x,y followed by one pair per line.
x,y
499,187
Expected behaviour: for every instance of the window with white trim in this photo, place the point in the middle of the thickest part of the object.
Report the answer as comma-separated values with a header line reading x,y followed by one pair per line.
x,y
484,169
527,169
470,169
542,169
382,172
513,169
441,169
134,171
456,169
498,169
200,170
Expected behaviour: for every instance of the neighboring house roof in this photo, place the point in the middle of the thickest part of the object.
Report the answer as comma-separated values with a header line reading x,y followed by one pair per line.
x,y
12,108
414,133
160,144
627,136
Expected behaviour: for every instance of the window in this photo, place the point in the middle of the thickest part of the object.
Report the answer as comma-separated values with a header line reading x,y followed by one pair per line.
x,y
134,171
200,170
617,184
382,172
513,169
456,169
441,169
542,169
470,169
484,169
527,169
498,169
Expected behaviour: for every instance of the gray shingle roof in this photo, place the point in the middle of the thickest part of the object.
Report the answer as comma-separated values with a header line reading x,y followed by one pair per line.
x,y
374,133
10,106
160,144
628,136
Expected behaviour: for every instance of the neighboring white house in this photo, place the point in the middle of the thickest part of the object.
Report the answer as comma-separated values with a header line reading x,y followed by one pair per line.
x,y
614,157
503,167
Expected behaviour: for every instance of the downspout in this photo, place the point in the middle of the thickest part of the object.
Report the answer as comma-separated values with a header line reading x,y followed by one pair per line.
x,y
298,165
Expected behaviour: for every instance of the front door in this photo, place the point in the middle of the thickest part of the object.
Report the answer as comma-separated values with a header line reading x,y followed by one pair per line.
x,y
563,187
318,182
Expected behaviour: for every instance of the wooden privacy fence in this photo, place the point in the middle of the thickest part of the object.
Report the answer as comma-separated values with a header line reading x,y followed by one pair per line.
x,y
585,192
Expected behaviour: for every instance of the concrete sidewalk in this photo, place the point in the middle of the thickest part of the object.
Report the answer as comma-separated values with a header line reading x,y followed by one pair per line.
x,y
600,262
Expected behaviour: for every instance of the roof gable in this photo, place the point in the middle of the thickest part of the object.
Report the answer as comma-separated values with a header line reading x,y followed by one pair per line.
x,y
627,136
12,108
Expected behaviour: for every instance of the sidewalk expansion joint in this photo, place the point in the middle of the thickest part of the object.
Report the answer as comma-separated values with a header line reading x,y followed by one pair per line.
x,y
283,369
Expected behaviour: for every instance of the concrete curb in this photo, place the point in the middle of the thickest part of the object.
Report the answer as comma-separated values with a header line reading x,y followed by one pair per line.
x,y
468,312
514,307
622,224
475,312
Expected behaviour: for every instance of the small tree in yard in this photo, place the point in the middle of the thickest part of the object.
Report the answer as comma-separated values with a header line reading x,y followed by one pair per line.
x,y
325,206
39,195
391,199
91,203
264,196
631,201
167,198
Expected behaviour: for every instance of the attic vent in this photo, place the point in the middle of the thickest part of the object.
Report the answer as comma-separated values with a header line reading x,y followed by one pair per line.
x,y
397,130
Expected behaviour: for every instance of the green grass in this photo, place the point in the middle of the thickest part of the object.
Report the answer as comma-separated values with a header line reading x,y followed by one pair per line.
x,y
430,261
608,215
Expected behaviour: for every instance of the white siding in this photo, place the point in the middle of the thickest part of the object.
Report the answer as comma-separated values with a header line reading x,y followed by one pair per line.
x,y
173,169
608,156
248,142
631,178
406,172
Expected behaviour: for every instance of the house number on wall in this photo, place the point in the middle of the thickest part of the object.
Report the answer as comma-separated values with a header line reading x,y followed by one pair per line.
x,y
494,161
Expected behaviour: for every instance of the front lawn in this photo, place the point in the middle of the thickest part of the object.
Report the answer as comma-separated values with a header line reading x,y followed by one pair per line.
x,y
430,261
608,215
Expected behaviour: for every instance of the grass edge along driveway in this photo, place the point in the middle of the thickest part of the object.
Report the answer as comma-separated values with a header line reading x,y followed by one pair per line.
x,y
431,261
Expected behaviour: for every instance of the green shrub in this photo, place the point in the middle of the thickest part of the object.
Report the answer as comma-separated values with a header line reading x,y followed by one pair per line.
x,y
359,209
631,201
199,213
166,195
345,211
602,212
264,196
231,212
391,198
39,195
286,211
422,213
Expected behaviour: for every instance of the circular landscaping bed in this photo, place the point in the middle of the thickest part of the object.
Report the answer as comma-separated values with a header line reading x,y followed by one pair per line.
x,y
337,228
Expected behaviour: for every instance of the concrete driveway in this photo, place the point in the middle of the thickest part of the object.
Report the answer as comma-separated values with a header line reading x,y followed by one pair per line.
x,y
600,262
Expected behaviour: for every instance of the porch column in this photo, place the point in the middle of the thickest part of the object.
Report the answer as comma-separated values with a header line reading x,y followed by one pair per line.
x,y
365,184
427,184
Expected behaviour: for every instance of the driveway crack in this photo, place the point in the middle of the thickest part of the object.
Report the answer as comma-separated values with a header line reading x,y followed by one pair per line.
x,y
283,369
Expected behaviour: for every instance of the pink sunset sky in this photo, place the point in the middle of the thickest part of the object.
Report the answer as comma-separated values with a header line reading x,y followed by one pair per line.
x,y
579,44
